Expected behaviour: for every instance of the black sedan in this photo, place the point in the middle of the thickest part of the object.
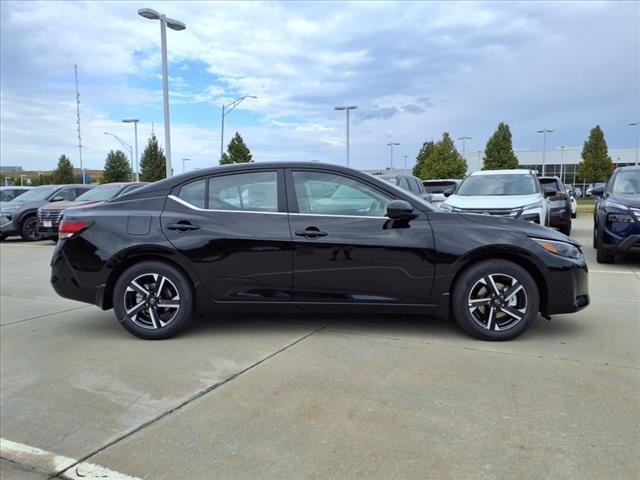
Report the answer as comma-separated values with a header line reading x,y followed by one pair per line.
x,y
313,238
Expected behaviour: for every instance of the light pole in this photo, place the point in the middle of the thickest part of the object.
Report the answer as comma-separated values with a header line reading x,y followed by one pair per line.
x,y
183,162
135,127
22,180
390,145
637,125
126,145
347,109
561,162
405,162
173,25
544,132
464,144
226,111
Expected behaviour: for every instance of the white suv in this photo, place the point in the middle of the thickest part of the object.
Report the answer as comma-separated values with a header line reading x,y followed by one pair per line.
x,y
506,193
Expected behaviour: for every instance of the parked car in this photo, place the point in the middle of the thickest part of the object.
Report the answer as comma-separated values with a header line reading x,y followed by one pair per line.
x,y
616,218
276,237
409,183
441,189
561,211
505,193
9,193
18,217
49,214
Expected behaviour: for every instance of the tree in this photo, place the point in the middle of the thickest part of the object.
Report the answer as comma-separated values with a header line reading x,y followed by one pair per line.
x,y
425,151
153,164
498,153
444,161
64,171
596,163
237,152
116,168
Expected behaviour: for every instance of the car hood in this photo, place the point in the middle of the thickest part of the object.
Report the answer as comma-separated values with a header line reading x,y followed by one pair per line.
x,y
492,201
24,205
528,228
63,205
629,200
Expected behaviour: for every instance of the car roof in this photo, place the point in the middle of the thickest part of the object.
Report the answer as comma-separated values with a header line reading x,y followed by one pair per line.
x,y
514,171
629,167
443,180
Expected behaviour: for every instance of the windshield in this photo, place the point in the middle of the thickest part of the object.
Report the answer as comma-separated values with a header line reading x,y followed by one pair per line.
x,y
499,184
627,182
100,193
36,194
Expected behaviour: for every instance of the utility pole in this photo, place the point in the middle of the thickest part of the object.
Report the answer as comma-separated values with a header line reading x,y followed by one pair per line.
x,y
78,122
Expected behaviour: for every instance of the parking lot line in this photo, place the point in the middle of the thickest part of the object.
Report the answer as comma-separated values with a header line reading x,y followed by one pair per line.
x,y
55,465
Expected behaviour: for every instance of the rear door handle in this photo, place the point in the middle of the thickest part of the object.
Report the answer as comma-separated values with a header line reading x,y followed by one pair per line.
x,y
182,227
310,232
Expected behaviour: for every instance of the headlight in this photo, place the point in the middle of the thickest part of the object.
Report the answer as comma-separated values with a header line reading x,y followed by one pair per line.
x,y
562,249
532,206
11,209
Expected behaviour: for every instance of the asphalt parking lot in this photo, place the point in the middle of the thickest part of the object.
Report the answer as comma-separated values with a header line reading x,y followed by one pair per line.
x,y
317,398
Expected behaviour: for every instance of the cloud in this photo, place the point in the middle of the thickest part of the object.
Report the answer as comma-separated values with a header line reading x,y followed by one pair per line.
x,y
414,69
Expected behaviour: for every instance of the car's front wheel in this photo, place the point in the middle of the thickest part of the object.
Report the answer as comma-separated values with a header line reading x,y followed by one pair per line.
x,y
153,300
495,300
29,229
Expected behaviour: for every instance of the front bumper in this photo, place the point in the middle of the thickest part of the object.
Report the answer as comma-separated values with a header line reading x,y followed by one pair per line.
x,y
8,224
567,288
47,232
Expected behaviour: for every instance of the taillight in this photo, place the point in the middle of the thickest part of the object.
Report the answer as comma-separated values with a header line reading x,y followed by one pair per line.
x,y
69,228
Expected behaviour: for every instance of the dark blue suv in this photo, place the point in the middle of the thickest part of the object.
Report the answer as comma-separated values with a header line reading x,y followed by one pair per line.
x,y
616,218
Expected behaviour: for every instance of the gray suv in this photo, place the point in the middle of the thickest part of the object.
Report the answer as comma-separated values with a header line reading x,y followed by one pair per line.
x,y
19,216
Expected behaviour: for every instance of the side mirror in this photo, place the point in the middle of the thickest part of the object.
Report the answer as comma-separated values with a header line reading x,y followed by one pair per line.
x,y
549,192
57,198
597,191
400,210
448,192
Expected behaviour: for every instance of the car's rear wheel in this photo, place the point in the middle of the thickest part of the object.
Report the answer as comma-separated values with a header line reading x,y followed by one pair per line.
x,y
153,300
566,229
495,300
29,229
3,236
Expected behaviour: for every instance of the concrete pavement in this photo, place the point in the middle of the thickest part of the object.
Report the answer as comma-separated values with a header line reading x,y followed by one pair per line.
x,y
323,397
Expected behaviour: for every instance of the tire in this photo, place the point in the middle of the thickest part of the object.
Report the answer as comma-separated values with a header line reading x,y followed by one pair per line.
x,y
602,256
54,238
574,215
3,236
474,286
595,237
29,229
176,293
566,229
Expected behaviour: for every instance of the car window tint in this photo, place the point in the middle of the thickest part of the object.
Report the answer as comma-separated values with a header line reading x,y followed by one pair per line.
x,y
338,195
438,187
194,192
256,191
66,194
7,195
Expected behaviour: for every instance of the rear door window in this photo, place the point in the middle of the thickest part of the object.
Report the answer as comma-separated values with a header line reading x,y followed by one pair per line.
x,y
194,193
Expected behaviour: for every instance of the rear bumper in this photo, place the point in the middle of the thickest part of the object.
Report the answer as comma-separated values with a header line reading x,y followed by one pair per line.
x,y
8,224
568,289
64,281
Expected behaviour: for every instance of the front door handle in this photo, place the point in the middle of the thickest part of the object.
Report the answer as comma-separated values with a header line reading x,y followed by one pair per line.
x,y
182,226
311,232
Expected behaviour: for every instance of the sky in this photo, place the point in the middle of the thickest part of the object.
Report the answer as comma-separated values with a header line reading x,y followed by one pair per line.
x,y
414,70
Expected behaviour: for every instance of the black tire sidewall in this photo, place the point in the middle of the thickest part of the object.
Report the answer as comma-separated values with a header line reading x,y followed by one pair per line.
x,y
475,272
179,279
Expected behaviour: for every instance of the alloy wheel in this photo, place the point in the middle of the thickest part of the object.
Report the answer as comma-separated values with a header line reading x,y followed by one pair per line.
x,y
151,301
497,302
30,229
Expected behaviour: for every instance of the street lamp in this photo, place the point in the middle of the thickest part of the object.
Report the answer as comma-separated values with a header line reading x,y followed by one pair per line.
x,y
544,132
637,125
183,161
233,105
464,145
135,127
124,144
561,162
390,145
347,109
405,162
173,25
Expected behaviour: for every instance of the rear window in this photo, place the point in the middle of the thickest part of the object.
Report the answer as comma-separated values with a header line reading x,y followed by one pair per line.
x,y
438,187
552,183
